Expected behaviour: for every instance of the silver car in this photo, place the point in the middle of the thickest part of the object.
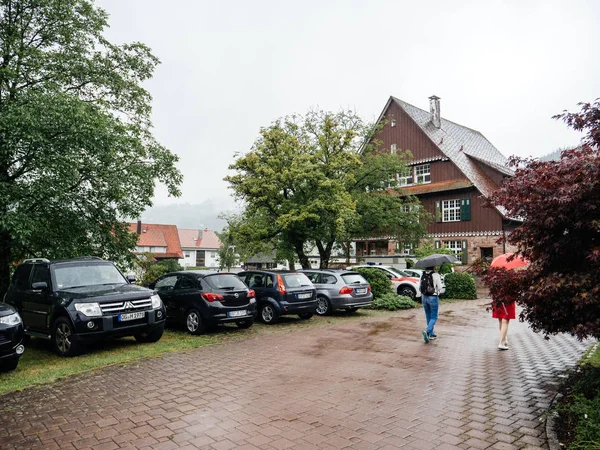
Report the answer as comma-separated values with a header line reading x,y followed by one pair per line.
x,y
339,289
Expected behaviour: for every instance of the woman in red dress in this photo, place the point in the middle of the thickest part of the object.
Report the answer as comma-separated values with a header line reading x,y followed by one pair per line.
x,y
504,312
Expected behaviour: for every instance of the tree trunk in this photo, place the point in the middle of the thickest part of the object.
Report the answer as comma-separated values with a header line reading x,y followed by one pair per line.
x,y
292,264
324,253
302,258
5,262
347,247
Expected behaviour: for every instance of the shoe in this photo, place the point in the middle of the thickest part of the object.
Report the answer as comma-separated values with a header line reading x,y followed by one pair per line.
x,y
432,337
505,342
425,336
503,347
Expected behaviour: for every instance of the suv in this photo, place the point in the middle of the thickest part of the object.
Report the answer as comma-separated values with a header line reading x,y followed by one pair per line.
x,y
201,299
11,337
403,283
76,300
281,292
339,289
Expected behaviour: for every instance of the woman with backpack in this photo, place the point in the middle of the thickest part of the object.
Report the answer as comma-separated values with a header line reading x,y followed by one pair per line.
x,y
431,287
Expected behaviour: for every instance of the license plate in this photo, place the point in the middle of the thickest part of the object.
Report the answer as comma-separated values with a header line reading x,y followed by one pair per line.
x,y
307,295
237,313
361,291
131,316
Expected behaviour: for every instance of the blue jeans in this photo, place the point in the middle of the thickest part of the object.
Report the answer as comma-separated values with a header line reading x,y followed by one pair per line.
x,y
430,305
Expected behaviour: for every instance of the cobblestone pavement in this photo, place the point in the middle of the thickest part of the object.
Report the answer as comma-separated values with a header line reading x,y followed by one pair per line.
x,y
364,384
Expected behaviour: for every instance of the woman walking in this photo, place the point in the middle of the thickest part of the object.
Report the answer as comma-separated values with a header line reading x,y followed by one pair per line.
x,y
504,312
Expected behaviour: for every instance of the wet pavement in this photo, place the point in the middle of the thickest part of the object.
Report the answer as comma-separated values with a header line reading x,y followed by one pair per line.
x,y
363,384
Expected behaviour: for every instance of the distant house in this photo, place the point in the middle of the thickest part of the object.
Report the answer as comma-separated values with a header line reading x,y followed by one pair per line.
x,y
453,170
199,248
161,240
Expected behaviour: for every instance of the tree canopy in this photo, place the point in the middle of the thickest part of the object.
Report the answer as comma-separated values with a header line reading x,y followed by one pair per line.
x,y
559,203
318,180
77,155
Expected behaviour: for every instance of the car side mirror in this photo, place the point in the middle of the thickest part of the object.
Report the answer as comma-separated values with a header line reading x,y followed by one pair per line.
x,y
39,286
131,279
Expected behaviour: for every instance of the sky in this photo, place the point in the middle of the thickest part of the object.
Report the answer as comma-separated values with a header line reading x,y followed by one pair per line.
x,y
503,68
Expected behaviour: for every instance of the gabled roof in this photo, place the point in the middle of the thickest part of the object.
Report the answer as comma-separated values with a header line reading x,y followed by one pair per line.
x,y
156,235
199,239
462,145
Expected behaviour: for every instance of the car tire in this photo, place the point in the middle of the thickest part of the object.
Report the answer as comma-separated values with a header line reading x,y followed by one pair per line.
x,y
150,337
305,316
323,306
63,337
9,364
268,314
407,291
194,323
243,324
352,309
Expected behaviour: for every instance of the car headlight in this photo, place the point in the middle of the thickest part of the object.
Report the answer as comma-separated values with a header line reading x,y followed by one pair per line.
x,y
89,309
156,301
12,319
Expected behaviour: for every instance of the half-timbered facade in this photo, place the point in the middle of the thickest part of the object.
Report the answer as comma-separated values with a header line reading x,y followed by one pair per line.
x,y
453,170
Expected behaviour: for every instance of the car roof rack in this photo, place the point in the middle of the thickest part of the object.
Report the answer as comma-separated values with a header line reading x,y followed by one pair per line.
x,y
36,260
88,257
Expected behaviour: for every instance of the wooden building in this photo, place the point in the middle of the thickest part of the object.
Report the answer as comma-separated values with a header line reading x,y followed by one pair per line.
x,y
453,170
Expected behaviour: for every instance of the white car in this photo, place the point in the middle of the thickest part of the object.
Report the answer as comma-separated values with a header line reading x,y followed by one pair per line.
x,y
403,283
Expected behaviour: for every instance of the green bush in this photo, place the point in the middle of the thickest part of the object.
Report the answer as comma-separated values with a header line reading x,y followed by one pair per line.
x,y
380,283
445,268
409,263
460,285
392,302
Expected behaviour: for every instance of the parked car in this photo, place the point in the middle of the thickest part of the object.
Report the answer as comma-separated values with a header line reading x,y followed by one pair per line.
x,y
11,337
202,299
76,300
339,289
402,282
280,292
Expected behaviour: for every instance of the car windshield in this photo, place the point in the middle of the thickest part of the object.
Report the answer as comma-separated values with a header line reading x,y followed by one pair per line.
x,y
397,272
225,281
82,274
354,278
295,280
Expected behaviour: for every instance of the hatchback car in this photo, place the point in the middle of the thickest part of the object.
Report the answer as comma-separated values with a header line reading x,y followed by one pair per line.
x,y
339,289
202,299
11,337
280,292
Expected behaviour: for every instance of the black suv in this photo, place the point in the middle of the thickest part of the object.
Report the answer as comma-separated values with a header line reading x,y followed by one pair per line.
x,y
201,299
280,292
11,337
71,301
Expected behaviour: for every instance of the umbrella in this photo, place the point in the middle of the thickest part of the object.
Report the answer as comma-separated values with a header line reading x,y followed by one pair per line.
x,y
435,260
502,261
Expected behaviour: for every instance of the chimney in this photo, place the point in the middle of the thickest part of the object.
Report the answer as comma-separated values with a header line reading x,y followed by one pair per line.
x,y
200,233
139,227
434,108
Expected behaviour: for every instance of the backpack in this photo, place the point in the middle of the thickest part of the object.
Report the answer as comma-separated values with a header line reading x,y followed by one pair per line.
x,y
427,287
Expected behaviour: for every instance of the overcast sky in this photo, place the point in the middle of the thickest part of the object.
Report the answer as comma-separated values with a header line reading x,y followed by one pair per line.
x,y
229,67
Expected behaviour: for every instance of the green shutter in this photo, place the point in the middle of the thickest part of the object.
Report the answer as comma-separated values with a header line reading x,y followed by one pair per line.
x,y
465,209
438,211
437,244
465,252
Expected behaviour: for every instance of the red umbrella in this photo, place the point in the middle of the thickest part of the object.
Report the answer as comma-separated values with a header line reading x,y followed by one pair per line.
x,y
502,261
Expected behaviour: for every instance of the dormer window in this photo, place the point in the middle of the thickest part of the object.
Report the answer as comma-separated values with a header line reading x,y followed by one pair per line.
x,y
406,177
393,149
423,173
393,123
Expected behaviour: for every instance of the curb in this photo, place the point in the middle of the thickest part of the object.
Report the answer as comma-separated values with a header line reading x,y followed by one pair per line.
x,y
552,416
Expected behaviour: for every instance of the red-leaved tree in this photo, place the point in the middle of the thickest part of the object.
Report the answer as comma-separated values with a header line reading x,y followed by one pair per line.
x,y
559,203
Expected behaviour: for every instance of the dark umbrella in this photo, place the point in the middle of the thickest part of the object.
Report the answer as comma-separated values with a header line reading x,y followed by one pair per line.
x,y
435,260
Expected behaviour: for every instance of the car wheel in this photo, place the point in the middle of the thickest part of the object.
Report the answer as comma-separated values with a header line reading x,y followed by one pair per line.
x,y
323,306
243,324
63,337
352,309
193,322
149,337
268,314
9,364
407,291
305,316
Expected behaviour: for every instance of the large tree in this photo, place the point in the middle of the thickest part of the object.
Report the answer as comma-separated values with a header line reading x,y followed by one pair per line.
x,y
559,203
76,150
317,180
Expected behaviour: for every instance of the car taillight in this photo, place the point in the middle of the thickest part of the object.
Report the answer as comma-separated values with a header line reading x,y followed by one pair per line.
x,y
280,285
369,289
346,290
251,293
210,297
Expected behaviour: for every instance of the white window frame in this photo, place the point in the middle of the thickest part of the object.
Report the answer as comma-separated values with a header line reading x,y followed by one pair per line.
x,y
393,149
393,123
422,174
451,210
406,178
455,247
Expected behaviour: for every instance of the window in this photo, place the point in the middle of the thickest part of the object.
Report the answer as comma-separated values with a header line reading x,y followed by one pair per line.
x,y
423,173
187,254
406,177
21,277
393,149
456,247
185,283
393,123
451,211
328,279
213,254
41,273
408,249
166,283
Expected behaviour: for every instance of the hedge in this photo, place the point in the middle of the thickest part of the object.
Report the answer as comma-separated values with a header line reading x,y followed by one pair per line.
x,y
460,285
380,283
392,302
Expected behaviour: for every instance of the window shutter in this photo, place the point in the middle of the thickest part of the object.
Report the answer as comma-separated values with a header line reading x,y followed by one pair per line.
x,y
438,211
465,209
437,244
465,252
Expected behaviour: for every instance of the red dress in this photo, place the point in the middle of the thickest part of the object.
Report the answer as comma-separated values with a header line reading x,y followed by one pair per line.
x,y
505,311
